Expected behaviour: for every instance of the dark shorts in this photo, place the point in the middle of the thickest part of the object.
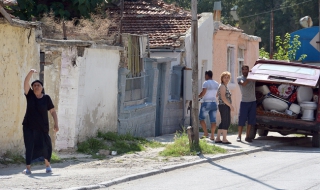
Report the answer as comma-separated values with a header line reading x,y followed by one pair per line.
x,y
225,116
247,113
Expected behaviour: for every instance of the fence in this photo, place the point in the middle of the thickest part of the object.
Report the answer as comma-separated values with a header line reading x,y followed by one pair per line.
x,y
137,88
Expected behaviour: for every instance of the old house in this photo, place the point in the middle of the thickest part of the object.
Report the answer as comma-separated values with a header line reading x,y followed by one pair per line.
x,y
151,100
231,49
19,52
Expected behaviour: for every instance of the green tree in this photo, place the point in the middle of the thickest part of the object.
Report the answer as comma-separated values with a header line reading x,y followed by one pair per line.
x,y
263,53
287,48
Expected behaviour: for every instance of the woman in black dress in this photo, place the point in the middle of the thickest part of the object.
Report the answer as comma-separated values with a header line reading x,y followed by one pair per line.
x,y
36,123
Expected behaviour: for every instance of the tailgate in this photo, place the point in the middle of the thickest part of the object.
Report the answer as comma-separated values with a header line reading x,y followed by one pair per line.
x,y
284,72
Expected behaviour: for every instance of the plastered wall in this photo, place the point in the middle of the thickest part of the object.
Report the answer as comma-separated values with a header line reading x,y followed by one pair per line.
x,y
19,52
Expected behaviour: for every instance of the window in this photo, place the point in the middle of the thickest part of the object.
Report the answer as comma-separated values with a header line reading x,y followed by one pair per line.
x,y
137,82
231,63
240,60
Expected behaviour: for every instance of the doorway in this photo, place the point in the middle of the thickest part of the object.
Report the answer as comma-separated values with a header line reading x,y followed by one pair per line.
x,y
160,97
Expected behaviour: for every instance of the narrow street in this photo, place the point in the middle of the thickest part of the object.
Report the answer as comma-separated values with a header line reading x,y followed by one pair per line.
x,y
283,168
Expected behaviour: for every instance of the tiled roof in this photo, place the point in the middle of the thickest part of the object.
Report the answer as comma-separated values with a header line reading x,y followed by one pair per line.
x,y
8,2
229,28
162,22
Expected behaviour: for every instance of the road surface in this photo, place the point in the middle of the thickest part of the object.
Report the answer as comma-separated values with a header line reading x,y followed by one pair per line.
x,y
285,168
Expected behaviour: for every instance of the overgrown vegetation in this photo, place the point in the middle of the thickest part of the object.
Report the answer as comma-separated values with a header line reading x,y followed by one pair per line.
x,y
181,147
288,47
16,158
95,28
115,142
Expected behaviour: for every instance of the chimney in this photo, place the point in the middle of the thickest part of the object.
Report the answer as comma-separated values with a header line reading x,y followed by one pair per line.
x,y
217,11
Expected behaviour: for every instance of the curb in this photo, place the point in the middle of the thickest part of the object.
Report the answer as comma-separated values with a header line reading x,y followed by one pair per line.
x,y
183,165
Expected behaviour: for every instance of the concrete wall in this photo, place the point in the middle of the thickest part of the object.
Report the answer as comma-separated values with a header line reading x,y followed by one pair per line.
x,y
221,41
205,47
52,83
19,53
83,86
98,91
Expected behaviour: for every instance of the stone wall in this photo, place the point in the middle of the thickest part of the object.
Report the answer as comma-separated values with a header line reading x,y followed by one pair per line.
x,y
19,53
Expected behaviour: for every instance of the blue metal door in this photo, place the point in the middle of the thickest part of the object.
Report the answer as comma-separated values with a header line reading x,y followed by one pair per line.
x,y
159,100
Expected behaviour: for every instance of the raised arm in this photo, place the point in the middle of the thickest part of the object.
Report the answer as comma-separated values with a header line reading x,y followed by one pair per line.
x,y
243,83
55,118
27,81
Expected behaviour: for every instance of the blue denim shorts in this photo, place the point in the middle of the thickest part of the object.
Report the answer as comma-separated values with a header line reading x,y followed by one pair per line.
x,y
208,108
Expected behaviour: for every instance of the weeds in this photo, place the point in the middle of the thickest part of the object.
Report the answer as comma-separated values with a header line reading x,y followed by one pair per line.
x,y
16,158
181,147
120,143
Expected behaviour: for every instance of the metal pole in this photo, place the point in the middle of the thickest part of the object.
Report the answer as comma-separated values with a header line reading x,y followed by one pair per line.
x,y
194,61
271,34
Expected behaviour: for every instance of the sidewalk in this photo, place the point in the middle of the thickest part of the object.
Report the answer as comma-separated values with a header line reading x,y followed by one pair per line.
x,y
82,172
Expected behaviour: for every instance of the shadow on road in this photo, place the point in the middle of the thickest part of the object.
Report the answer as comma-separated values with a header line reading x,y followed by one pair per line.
x,y
237,173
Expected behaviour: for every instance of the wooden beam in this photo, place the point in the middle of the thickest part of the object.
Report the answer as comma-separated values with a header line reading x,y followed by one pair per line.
x,y
5,14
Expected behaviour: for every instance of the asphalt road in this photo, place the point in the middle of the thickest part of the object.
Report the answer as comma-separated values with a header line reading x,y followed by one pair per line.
x,y
284,168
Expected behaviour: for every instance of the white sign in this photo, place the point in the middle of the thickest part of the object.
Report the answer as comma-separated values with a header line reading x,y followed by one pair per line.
x,y
314,43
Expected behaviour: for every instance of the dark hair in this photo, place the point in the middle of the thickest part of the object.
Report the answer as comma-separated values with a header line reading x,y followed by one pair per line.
x,y
245,66
209,73
38,81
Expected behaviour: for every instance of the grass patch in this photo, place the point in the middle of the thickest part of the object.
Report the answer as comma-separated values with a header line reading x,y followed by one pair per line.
x,y
120,143
15,158
55,158
181,147
11,158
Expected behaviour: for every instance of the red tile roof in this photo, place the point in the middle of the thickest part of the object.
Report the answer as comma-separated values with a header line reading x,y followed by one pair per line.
x,y
163,23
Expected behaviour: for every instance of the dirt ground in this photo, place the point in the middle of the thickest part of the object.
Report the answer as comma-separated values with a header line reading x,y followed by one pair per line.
x,y
81,170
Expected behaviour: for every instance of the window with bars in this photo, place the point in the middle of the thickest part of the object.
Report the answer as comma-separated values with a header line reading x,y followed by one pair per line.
x,y
240,60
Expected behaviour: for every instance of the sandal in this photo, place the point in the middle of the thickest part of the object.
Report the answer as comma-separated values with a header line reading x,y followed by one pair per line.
x,y
226,142
26,171
218,141
203,137
48,169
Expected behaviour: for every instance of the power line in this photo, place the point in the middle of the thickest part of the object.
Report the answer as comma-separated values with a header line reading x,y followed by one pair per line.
x,y
276,9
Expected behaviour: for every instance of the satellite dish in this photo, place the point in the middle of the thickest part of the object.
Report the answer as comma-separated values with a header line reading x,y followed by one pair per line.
x,y
306,22
233,13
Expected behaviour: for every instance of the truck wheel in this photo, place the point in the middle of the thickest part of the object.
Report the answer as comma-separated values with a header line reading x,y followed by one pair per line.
x,y
253,132
316,140
262,132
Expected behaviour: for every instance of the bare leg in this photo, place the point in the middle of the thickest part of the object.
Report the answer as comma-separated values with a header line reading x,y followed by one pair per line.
x,y
224,133
240,131
47,163
248,131
213,129
204,127
29,167
218,135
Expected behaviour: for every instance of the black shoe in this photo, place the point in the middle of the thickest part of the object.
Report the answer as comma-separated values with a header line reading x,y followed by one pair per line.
x,y
226,142
238,139
248,140
218,142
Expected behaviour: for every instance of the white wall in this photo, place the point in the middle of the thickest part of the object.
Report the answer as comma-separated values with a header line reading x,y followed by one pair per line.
x,y
205,47
98,91
88,95
68,99
176,55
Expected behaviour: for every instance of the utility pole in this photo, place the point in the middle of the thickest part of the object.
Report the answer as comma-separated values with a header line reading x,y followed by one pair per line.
x,y
194,61
271,33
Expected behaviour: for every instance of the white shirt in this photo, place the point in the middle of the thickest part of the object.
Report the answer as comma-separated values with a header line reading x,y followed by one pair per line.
x,y
212,88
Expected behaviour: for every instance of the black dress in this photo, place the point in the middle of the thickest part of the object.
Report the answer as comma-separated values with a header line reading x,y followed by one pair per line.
x,y
36,127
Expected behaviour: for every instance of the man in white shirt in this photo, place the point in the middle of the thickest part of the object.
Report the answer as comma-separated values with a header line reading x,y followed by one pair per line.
x,y
209,105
